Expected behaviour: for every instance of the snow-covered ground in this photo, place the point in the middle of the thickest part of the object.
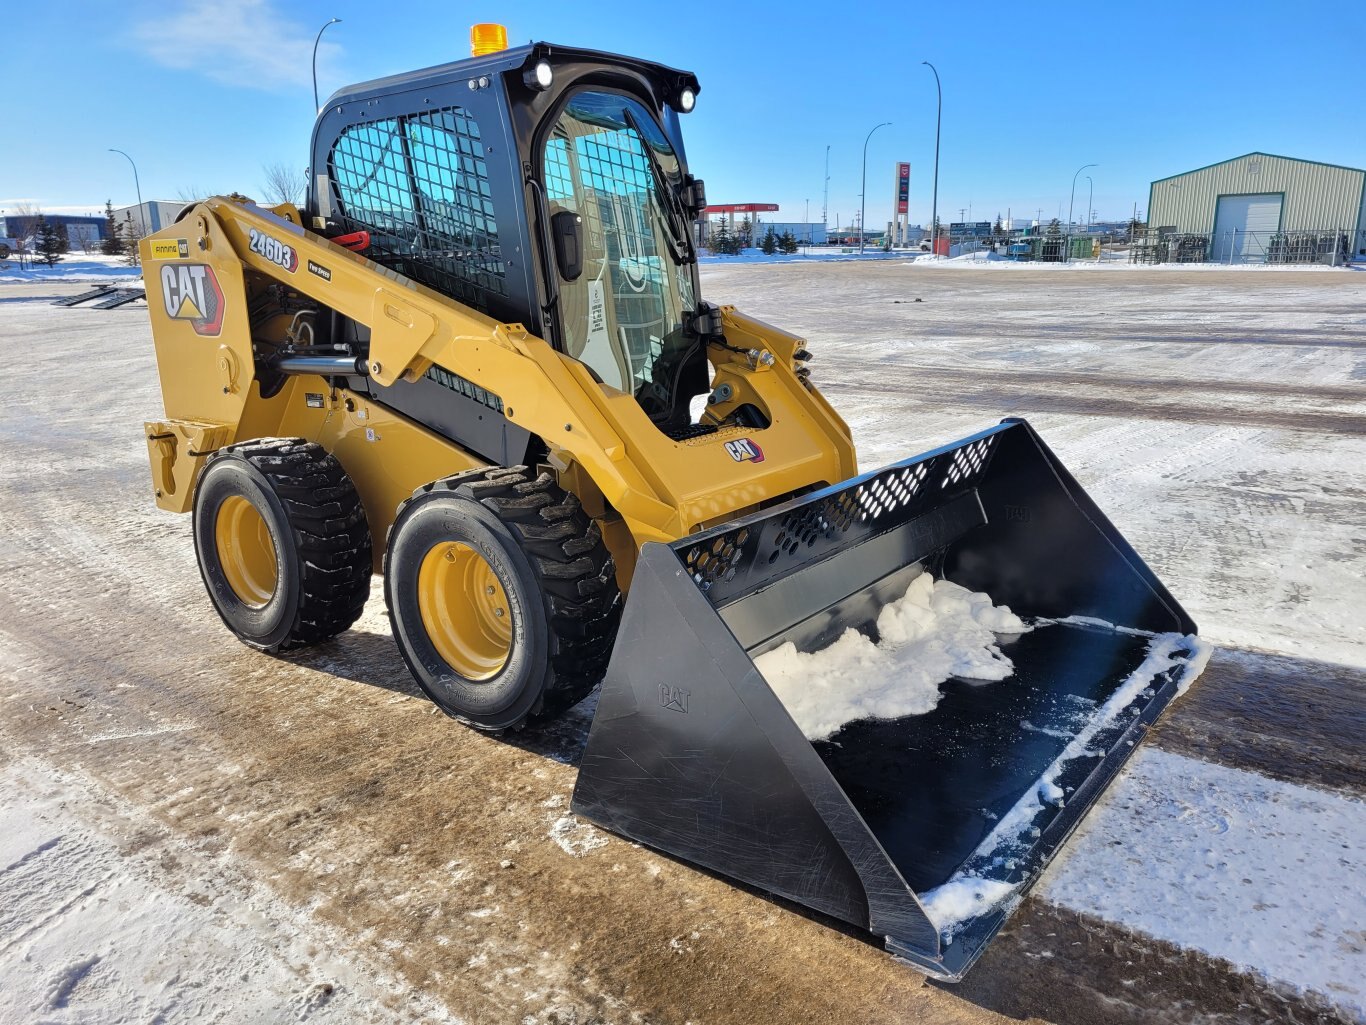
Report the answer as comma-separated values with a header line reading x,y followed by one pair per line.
x,y
1109,261
190,827
108,920
1219,421
74,268
1264,874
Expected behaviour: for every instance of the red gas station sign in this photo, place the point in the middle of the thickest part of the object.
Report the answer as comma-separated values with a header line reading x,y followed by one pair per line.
x,y
903,187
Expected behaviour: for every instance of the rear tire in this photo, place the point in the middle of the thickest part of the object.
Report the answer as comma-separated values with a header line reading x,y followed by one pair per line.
x,y
502,596
283,545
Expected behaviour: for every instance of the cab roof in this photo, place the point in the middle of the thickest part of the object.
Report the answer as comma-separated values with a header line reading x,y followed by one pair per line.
x,y
513,58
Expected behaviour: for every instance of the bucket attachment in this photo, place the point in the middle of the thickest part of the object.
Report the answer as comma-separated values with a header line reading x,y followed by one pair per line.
x,y
923,829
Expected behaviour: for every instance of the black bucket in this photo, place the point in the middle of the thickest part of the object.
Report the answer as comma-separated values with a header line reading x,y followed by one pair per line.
x,y
692,753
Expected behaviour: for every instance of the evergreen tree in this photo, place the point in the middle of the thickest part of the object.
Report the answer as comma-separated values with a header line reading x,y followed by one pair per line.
x,y
718,238
770,242
787,243
63,238
112,243
1054,228
47,241
129,235
746,234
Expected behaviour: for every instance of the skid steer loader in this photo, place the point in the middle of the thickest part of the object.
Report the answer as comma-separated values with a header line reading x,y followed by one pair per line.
x,y
477,360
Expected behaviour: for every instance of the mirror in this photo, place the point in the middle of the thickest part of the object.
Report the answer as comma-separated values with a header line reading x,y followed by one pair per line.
x,y
566,229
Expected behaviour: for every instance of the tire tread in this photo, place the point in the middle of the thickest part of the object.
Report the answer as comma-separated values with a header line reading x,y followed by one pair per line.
x,y
574,569
329,528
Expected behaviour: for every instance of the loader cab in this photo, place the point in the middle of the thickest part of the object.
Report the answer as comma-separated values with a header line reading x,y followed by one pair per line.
x,y
540,184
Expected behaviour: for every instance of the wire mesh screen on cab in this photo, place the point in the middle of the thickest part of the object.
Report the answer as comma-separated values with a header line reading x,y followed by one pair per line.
x,y
419,184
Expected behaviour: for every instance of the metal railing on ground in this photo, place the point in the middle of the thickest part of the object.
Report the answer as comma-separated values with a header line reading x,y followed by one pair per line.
x,y
1331,246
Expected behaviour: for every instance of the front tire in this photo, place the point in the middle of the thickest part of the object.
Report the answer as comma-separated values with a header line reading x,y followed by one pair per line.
x,y
502,596
283,545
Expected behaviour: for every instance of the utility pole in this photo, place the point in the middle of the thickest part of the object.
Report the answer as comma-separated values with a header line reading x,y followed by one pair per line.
x,y
863,196
1090,197
938,123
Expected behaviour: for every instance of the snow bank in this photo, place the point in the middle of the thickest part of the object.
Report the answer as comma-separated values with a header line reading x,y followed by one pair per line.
x,y
969,893
935,631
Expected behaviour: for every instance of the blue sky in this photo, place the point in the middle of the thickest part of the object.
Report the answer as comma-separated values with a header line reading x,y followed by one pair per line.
x,y
202,94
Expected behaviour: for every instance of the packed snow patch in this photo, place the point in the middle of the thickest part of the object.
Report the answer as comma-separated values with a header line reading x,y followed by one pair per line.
x,y
936,630
1262,873
963,898
108,917
574,837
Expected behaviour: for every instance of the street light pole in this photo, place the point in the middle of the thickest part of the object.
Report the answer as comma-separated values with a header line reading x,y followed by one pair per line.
x,y
938,121
825,200
1090,197
1071,201
142,216
863,196
335,21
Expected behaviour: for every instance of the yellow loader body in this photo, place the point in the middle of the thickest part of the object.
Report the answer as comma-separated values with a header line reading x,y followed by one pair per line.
x,y
643,485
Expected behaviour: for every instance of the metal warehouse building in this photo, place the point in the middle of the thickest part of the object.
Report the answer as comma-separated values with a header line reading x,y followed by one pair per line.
x,y
1264,208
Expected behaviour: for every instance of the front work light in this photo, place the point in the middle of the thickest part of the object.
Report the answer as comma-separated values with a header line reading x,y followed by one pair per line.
x,y
687,99
538,77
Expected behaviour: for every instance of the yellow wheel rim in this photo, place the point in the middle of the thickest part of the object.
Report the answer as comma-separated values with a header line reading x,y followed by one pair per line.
x,y
245,551
464,610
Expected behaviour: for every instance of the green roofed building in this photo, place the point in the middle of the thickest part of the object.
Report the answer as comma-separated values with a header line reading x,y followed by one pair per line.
x,y
1263,208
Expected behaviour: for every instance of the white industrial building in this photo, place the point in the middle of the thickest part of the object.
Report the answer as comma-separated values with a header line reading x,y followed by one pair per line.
x,y
1264,208
153,215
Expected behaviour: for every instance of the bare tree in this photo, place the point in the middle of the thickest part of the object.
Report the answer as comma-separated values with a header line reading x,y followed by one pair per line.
x,y
282,184
28,214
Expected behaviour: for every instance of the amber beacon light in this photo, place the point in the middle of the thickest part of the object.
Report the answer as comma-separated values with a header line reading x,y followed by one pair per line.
x,y
487,38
